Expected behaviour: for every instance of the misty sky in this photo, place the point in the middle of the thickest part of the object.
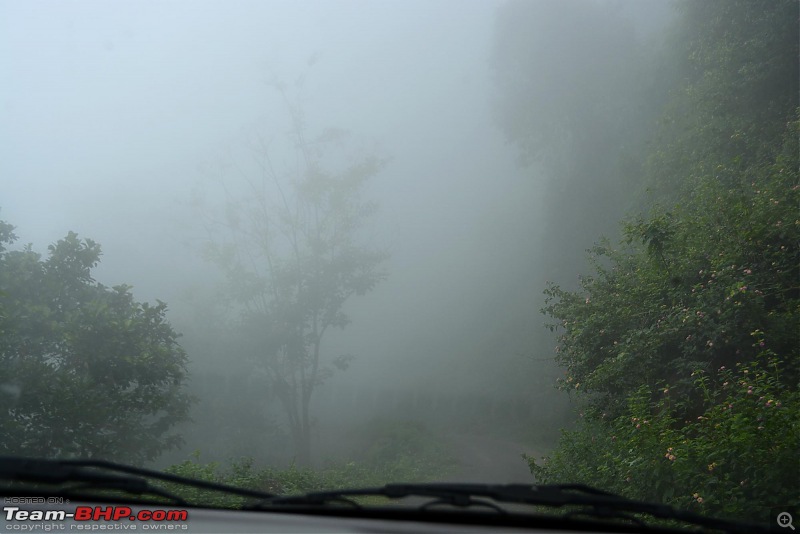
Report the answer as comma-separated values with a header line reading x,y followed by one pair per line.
x,y
113,113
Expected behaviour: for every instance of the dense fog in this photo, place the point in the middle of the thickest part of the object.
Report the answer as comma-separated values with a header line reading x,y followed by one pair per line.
x,y
135,124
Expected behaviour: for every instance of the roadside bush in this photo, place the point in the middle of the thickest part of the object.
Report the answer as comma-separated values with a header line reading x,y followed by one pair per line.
x,y
407,449
683,351
735,459
398,452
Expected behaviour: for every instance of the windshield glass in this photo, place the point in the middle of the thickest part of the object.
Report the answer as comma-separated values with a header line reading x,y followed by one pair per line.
x,y
299,246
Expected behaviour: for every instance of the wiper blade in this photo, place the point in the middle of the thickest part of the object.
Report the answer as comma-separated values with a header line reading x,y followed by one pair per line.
x,y
103,475
590,501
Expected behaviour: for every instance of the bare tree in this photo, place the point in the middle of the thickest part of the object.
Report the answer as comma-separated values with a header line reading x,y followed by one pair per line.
x,y
292,258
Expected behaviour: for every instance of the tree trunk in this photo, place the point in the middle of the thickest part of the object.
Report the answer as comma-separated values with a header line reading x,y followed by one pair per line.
x,y
295,407
301,441
303,449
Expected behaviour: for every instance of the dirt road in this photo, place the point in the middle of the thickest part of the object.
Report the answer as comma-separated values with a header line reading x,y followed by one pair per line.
x,y
490,459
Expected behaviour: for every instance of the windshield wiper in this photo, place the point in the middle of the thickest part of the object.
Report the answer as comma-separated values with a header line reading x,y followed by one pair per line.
x,y
582,501
585,500
82,475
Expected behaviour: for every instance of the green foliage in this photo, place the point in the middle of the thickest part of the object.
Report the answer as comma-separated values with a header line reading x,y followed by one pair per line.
x,y
404,452
687,291
735,459
696,294
738,61
683,345
85,369
241,474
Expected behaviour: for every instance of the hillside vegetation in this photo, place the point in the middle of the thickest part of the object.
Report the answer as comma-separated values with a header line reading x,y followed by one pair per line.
x,y
681,343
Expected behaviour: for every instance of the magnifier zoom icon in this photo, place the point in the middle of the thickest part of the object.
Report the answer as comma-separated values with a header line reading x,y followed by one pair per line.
x,y
785,520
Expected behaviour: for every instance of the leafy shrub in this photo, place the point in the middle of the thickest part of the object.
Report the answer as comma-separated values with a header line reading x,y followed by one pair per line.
x,y
735,459
687,291
85,370
683,348
398,452
405,447
683,345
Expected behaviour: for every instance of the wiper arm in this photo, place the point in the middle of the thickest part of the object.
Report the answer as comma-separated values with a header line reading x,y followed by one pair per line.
x,y
103,475
461,494
593,502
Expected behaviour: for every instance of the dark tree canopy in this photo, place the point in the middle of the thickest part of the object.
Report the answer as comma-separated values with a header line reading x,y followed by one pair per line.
x,y
738,63
85,370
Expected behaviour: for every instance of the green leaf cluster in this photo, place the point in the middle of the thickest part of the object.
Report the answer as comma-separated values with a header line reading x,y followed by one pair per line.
x,y
85,370
686,290
735,459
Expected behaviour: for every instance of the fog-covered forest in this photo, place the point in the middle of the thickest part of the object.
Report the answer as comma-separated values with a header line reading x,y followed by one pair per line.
x,y
295,246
